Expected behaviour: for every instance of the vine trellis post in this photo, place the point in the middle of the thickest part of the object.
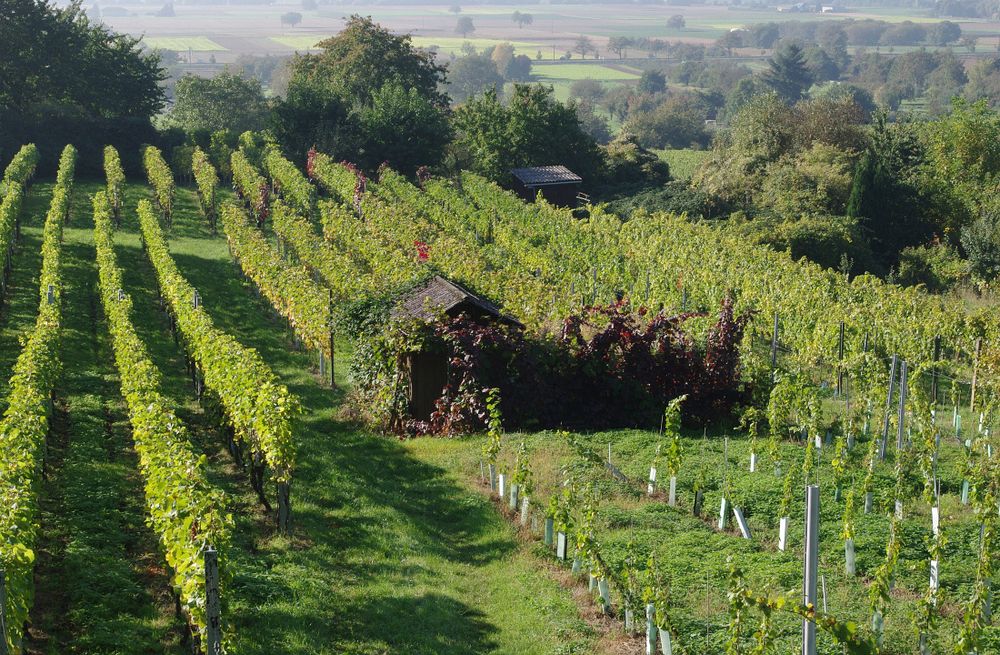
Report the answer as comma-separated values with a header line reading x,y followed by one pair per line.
x,y
213,611
840,361
810,567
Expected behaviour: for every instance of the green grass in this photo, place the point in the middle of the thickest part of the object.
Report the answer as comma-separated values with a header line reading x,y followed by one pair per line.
x,y
389,553
605,72
683,162
694,553
183,43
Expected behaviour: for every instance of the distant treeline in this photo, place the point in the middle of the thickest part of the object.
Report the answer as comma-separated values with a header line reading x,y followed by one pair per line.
x,y
849,32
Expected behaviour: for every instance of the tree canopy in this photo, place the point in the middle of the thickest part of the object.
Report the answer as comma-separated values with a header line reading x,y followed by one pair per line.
x,y
364,57
369,96
65,60
532,129
788,73
224,102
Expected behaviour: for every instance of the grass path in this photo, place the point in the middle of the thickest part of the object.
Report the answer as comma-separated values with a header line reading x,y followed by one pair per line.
x,y
388,553
19,305
100,587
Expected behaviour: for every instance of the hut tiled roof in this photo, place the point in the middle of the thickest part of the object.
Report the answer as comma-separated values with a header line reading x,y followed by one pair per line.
x,y
439,294
536,176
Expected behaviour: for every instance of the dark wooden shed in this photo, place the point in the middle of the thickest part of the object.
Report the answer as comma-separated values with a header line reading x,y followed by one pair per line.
x,y
558,184
427,372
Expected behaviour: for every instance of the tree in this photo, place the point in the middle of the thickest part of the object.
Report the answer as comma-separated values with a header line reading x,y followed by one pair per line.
x,y
403,128
502,56
519,69
787,73
884,195
619,45
821,66
336,97
838,90
522,19
291,19
166,11
365,56
224,102
676,22
588,90
455,9
591,122
64,59
65,78
583,45
678,122
652,82
981,242
472,75
532,129
628,165
944,33
464,26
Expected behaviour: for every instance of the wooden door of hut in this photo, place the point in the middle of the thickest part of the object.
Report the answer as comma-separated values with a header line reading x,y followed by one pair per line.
x,y
428,378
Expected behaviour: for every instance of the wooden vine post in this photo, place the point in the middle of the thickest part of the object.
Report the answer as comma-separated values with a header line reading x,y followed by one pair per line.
x,y
213,609
840,362
810,568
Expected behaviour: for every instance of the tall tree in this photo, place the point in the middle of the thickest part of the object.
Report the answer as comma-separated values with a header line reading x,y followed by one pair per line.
x,y
788,74
522,19
583,45
66,79
532,129
464,26
345,100
472,75
59,57
224,102
365,56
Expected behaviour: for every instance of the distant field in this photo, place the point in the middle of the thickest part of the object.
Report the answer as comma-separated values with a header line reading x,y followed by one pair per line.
x,y
300,42
453,44
683,163
183,43
601,71
445,44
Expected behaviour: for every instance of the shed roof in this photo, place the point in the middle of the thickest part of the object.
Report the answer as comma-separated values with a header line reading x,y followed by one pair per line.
x,y
546,175
439,294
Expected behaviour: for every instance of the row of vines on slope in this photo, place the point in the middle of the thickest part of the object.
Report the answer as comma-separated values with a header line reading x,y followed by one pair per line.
x,y
162,181
291,290
25,424
19,172
259,408
185,510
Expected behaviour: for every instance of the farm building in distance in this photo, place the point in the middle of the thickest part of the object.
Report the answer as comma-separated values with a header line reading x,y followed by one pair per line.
x,y
558,184
428,371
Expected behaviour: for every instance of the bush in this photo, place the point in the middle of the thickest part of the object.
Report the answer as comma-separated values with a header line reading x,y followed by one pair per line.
x,y
937,266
